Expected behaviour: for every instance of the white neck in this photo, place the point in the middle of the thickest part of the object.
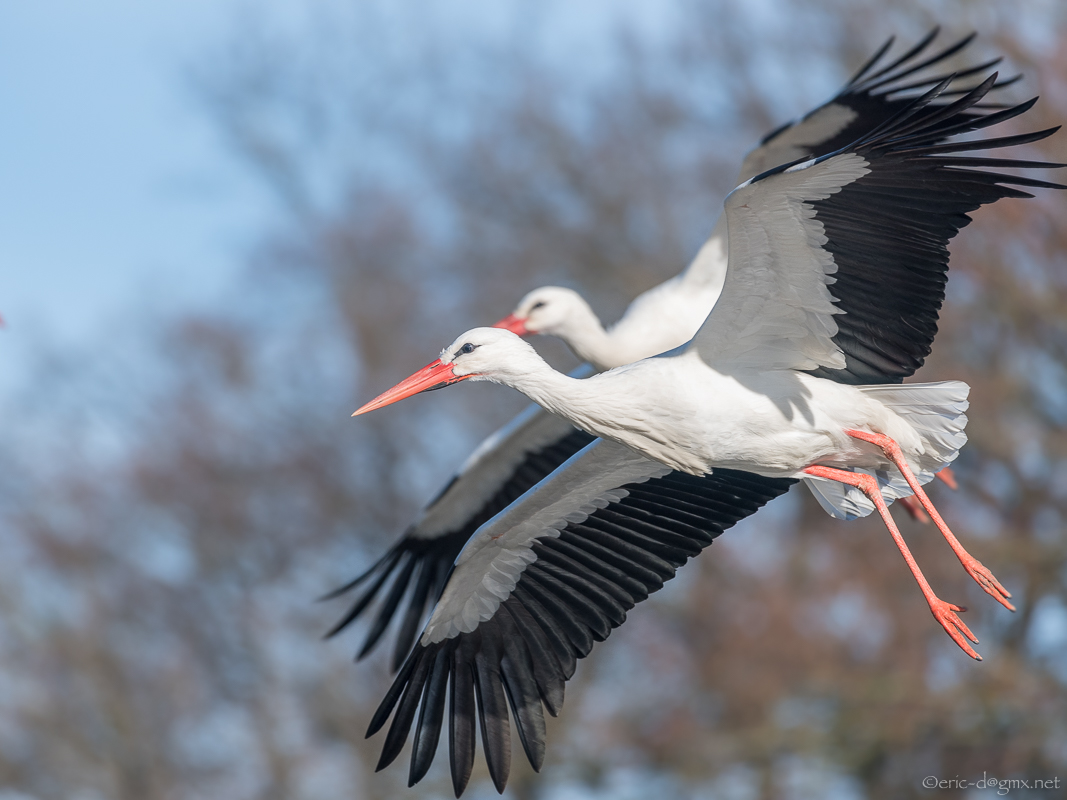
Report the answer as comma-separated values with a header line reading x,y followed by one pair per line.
x,y
577,401
585,335
662,318
551,390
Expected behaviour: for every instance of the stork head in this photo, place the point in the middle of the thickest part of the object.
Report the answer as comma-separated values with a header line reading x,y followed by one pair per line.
x,y
550,310
481,354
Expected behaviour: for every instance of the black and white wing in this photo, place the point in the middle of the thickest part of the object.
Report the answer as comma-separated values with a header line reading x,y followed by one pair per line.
x,y
537,586
838,265
874,94
501,469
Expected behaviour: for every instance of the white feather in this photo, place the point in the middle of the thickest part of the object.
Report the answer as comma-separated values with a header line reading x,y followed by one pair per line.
x,y
934,411
776,310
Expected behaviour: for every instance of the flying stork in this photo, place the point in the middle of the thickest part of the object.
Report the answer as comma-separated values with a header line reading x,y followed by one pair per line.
x,y
534,444
835,261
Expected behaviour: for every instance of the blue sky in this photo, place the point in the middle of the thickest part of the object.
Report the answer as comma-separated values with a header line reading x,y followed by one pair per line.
x,y
114,189
116,194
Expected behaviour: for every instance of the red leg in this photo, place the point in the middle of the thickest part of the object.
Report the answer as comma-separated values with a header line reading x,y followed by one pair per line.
x,y
974,567
949,477
915,511
944,613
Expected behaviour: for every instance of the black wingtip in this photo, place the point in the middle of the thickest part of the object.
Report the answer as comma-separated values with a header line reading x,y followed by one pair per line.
x,y
431,716
333,594
500,784
333,631
356,609
385,708
887,80
413,683
388,561
870,62
932,79
376,723
385,564
367,647
984,144
906,57
962,43
931,123
882,132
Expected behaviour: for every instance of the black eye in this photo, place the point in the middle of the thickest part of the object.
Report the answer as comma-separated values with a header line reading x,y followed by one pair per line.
x,y
465,350
537,305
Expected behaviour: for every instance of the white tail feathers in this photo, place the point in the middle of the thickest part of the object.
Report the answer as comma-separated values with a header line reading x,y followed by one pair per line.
x,y
936,412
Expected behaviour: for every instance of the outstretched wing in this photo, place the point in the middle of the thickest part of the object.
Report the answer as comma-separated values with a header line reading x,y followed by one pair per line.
x,y
537,586
873,95
838,265
501,469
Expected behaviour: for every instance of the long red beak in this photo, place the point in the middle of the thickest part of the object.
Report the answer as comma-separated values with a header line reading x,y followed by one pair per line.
x,y
513,324
432,376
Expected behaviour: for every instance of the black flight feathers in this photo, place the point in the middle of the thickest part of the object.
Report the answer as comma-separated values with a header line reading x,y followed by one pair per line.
x,y
876,95
423,565
574,594
888,231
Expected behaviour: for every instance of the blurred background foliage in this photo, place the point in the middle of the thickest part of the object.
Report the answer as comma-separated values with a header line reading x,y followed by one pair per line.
x,y
172,507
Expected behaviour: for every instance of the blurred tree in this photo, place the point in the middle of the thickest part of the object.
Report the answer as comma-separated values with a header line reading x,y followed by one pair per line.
x,y
169,514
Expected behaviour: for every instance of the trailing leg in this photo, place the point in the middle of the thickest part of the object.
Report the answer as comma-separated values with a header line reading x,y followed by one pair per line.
x,y
944,613
949,477
974,567
915,511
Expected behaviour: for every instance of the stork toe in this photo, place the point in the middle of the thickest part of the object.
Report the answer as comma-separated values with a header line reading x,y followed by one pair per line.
x,y
945,614
990,585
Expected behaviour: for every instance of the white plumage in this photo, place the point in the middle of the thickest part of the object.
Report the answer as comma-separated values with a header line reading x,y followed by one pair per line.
x,y
836,272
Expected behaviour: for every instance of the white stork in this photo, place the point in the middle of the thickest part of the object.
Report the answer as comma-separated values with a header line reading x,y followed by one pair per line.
x,y
837,258
534,444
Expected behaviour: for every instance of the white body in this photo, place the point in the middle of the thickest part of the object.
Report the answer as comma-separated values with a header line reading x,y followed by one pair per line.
x,y
677,410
